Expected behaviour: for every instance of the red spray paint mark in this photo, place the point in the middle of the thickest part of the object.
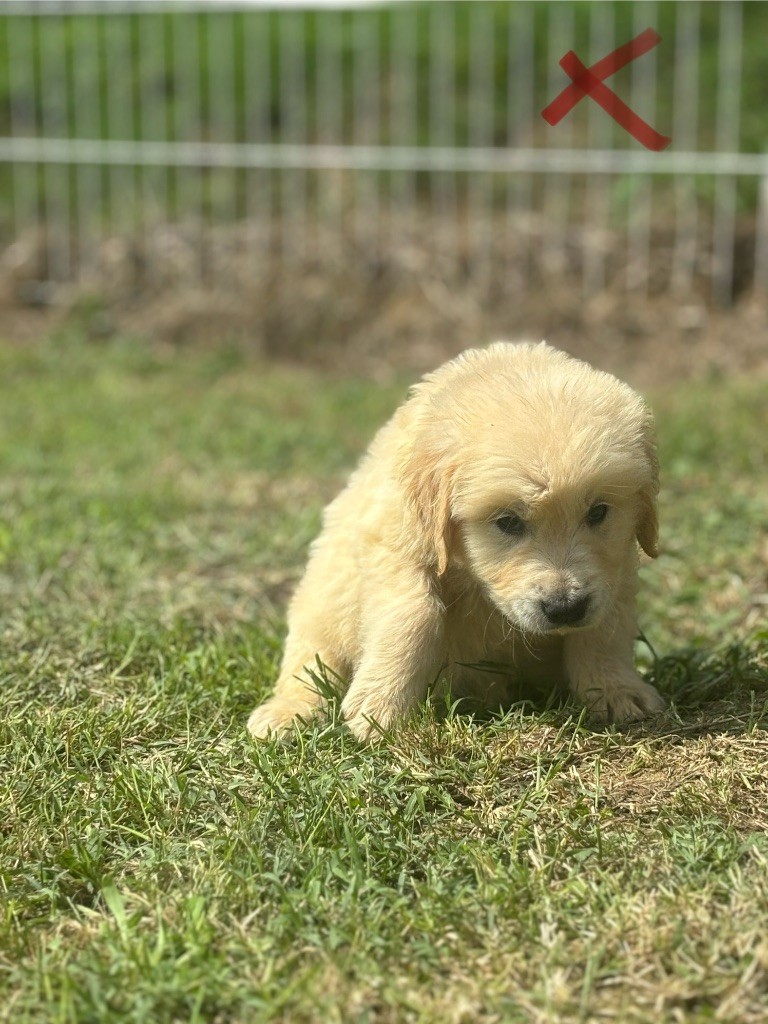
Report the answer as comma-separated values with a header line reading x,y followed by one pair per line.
x,y
589,82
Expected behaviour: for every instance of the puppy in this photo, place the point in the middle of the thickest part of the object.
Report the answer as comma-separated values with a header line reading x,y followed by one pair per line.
x,y
494,519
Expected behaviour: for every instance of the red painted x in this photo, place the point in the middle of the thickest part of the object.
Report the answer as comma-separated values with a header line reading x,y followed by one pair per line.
x,y
589,81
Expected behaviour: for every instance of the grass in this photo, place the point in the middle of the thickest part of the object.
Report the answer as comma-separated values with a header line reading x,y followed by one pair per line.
x,y
156,865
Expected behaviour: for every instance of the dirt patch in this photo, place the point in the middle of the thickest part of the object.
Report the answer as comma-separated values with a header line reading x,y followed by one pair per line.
x,y
351,306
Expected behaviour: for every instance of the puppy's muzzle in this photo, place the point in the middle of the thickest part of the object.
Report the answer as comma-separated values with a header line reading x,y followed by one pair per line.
x,y
566,611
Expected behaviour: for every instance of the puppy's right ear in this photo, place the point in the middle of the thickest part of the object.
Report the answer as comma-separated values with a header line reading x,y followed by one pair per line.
x,y
428,481
648,520
648,524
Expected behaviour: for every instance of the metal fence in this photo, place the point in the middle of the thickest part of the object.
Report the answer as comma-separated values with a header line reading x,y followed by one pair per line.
x,y
209,136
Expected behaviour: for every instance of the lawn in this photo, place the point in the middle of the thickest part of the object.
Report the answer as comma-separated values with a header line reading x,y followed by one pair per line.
x,y
156,865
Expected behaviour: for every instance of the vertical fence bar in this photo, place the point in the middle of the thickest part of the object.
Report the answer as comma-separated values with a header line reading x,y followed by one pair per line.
x,y
257,80
521,92
137,114
45,170
643,99
53,95
7,191
23,103
185,125
685,137
480,112
171,177
102,132
557,187
726,139
310,131
598,187
119,118
330,99
153,96
442,126
202,20
366,128
196,129
220,107
86,125
403,116
760,283
293,125
240,173
71,172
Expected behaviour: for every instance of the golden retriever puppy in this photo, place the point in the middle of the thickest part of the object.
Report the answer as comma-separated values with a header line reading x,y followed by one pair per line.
x,y
494,519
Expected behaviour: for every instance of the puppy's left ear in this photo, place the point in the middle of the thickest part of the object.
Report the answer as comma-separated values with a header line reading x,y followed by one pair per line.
x,y
428,481
648,520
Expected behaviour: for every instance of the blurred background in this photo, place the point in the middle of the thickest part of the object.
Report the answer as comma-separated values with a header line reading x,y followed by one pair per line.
x,y
371,186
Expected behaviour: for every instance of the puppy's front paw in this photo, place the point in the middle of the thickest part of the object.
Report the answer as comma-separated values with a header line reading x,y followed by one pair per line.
x,y
273,718
366,717
626,700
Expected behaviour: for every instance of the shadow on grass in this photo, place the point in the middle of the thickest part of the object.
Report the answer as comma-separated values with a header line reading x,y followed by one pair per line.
x,y
724,689
720,690
709,691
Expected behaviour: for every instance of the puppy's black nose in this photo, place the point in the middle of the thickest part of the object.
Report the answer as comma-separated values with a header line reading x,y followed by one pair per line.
x,y
564,611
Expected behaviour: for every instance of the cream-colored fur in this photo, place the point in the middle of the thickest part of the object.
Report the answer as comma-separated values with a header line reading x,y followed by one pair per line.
x,y
473,518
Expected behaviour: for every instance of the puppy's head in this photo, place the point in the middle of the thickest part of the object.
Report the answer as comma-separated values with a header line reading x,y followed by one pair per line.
x,y
535,474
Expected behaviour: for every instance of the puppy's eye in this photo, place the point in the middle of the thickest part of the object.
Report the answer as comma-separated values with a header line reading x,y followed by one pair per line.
x,y
597,513
511,524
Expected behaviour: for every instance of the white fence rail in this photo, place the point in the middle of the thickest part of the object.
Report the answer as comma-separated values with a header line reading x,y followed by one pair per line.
x,y
298,133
